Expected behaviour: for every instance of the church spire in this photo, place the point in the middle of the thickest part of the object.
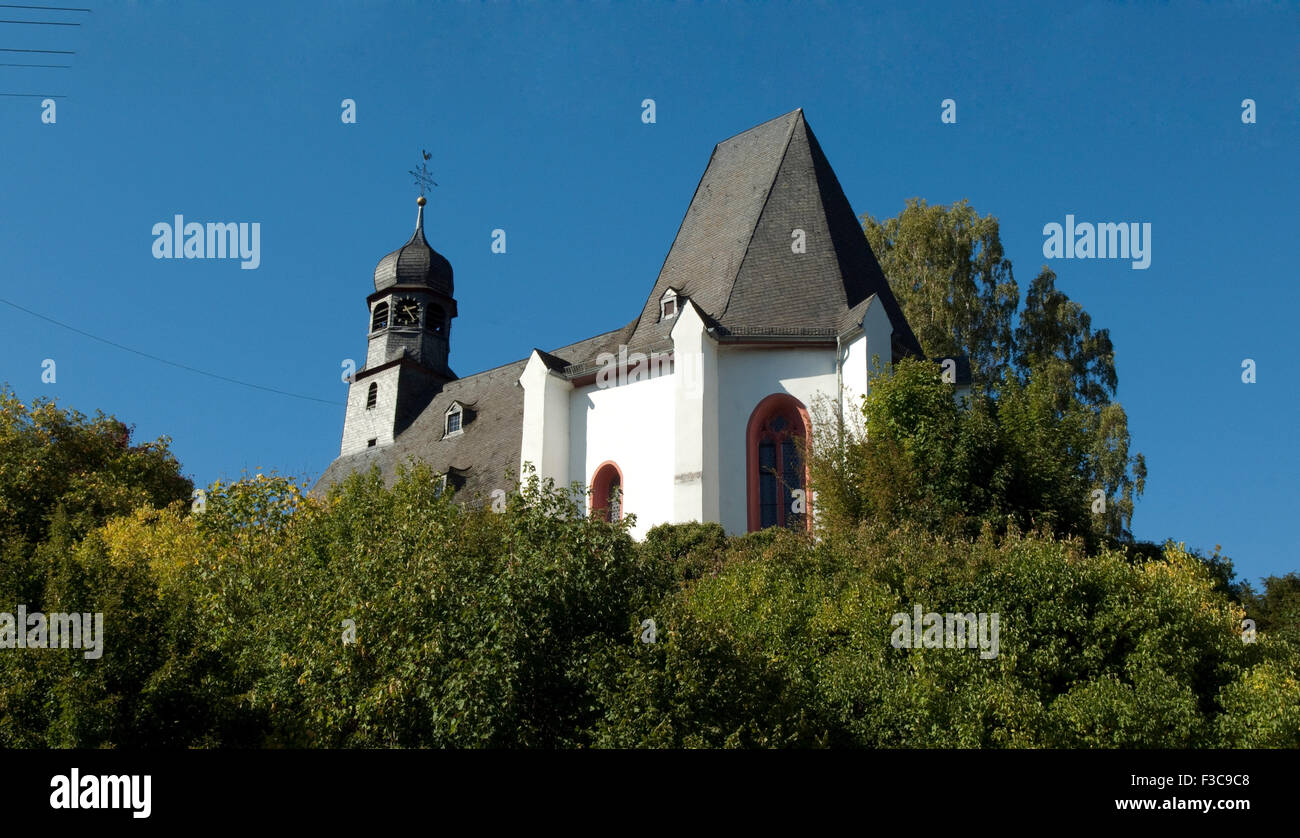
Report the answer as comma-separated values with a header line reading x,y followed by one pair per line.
x,y
416,263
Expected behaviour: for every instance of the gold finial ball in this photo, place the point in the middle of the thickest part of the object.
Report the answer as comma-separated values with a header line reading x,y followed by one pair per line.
x,y
420,200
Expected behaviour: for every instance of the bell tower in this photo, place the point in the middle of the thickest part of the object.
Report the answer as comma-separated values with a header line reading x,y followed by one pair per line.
x,y
409,332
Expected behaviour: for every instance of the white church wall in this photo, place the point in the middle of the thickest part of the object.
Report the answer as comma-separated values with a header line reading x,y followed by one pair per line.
x,y
545,442
879,332
632,426
855,373
746,376
872,345
696,485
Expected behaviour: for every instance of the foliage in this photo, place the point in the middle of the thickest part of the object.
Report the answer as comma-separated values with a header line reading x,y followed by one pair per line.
x,y
52,458
59,465
1055,330
1014,460
789,645
521,629
1277,608
1050,382
947,268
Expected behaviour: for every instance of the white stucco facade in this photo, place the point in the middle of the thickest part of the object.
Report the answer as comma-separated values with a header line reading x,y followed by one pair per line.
x,y
677,433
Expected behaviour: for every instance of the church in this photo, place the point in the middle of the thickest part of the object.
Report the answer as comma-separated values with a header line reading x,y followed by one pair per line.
x,y
769,300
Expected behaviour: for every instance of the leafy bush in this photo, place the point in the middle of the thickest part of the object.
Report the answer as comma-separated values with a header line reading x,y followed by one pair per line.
x,y
398,617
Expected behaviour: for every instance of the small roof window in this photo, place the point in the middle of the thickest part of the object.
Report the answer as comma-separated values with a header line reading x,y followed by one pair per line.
x,y
453,421
668,305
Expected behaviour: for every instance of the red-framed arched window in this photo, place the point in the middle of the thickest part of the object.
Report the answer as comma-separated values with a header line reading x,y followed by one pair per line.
x,y
775,468
607,492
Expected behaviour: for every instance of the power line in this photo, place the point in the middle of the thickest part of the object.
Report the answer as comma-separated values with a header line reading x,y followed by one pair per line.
x,y
38,95
44,8
60,66
165,360
51,51
40,22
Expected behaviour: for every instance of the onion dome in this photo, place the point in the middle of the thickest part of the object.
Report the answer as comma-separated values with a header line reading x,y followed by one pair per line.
x,y
415,263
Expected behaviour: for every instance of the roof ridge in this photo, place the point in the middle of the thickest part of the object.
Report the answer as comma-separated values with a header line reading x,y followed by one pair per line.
x,y
524,360
759,125
758,218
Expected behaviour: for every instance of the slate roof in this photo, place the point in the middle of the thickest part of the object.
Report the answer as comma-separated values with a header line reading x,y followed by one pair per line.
x,y
415,263
485,455
732,256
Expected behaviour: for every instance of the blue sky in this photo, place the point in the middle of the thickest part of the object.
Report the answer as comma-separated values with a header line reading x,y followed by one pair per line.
x,y
231,112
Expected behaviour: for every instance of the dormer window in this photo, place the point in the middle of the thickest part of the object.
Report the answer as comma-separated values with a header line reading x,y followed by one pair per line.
x,y
668,305
455,414
440,486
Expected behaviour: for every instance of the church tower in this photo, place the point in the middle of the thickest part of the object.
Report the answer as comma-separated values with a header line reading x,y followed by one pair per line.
x,y
409,318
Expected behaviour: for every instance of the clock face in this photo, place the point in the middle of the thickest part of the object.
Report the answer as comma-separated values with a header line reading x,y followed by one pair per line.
x,y
407,313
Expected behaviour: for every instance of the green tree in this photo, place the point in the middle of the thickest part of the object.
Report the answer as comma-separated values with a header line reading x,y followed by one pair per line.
x,y
58,463
1053,331
790,644
1276,609
946,266
1011,460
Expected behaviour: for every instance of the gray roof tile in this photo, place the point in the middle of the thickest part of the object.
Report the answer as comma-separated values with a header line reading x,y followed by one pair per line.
x,y
485,456
733,257
415,263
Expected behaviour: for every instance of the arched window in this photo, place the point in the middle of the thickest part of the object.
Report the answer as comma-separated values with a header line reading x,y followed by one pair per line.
x,y
435,319
372,395
607,493
380,320
777,475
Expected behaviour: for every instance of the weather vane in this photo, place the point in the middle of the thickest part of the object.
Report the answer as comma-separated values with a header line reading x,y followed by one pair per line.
x,y
421,174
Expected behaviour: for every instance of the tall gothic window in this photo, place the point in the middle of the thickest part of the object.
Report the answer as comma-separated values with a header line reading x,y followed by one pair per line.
x,y
776,472
380,320
607,493
372,395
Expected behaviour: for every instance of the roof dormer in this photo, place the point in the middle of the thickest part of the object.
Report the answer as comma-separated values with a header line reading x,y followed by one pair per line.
x,y
453,421
669,305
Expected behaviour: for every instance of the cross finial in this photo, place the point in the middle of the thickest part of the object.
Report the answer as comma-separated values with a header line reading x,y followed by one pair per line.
x,y
422,178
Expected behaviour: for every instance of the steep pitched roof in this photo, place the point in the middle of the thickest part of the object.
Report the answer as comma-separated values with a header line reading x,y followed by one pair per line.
x,y
733,257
